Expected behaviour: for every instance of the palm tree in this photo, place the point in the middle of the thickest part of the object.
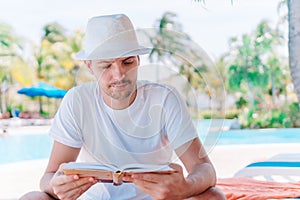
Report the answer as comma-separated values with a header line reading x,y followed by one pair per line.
x,y
50,51
54,61
53,57
10,53
174,48
294,43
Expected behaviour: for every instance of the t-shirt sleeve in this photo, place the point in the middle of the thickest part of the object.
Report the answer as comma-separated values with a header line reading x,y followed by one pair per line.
x,y
179,125
65,128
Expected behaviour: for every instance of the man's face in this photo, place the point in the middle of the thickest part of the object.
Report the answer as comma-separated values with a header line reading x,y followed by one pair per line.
x,y
116,77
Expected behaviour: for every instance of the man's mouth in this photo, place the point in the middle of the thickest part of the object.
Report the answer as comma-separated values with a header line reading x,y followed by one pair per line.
x,y
120,85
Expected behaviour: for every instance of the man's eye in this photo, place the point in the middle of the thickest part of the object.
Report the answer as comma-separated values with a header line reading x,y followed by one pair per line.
x,y
128,63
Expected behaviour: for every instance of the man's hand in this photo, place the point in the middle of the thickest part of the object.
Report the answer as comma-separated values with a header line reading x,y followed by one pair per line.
x,y
70,187
161,186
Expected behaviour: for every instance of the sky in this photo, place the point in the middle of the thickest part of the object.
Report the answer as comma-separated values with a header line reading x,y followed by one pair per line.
x,y
210,25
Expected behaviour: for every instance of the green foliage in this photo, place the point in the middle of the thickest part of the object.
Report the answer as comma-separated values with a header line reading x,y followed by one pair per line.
x,y
233,114
254,64
252,69
261,75
10,43
283,117
45,114
54,32
235,77
294,114
54,61
10,54
208,114
9,108
280,119
241,103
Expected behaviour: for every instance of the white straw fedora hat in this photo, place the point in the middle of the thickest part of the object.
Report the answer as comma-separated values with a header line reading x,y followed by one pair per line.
x,y
110,36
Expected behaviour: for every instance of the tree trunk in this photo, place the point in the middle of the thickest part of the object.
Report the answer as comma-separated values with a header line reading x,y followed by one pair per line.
x,y
274,95
250,94
294,43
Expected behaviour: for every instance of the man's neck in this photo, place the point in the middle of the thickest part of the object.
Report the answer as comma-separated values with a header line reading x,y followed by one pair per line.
x,y
120,104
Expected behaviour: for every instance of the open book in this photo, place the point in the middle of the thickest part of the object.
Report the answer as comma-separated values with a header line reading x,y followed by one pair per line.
x,y
111,173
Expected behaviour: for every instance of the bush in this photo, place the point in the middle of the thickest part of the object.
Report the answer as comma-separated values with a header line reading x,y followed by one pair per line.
x,y
263,118
294,114
229,114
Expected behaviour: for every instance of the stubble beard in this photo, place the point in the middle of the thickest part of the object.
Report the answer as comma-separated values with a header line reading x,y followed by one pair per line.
x,y
122,94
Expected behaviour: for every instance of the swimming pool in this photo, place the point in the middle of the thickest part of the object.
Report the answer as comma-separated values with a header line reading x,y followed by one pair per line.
x,y
257,136
22,147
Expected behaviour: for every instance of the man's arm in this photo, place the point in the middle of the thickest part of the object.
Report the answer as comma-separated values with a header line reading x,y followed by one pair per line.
x,y
58,185
201,173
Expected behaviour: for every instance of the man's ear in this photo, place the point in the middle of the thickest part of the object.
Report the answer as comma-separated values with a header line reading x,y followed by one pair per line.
x,y
88,63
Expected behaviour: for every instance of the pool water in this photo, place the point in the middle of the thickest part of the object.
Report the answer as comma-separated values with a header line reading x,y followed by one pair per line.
x,y
256,136
22,147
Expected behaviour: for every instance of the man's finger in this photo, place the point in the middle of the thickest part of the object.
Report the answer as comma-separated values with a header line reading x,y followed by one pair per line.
x,y
61,180
78,191
75,184
176,167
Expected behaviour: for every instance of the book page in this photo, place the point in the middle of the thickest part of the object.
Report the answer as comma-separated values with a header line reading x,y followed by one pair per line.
x,y
90,166
138,167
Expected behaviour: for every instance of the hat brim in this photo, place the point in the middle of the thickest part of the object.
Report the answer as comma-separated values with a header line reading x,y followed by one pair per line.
x,y
82,55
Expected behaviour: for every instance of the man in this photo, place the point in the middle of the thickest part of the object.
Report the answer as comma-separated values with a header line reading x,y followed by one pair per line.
x,y
120,120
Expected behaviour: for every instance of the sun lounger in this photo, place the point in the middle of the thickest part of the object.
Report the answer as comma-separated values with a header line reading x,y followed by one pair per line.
x,y
286,157
280,168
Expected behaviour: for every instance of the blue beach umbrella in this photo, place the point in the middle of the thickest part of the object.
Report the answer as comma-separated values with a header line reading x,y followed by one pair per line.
x,y
42,89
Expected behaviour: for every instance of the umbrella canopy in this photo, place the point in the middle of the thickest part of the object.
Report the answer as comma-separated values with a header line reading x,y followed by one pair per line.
x,y
43,89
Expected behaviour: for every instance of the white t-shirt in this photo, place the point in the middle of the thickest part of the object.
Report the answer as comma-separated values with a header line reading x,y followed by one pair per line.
x,y
148,131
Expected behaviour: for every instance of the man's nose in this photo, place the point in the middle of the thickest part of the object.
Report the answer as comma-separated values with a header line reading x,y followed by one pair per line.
x,y
118,71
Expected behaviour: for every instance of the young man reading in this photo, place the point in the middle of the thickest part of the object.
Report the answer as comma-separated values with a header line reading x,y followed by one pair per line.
x,y
119,120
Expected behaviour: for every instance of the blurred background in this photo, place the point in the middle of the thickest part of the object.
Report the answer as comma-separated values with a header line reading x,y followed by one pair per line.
x,y
238,55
